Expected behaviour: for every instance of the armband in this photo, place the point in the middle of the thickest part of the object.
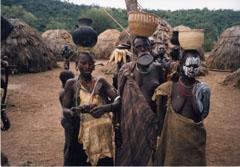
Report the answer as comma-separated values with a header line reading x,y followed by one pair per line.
x,y
117,98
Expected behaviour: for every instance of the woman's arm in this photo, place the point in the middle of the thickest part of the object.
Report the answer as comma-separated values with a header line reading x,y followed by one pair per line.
x,y
68,98
107,90
100,110
68,108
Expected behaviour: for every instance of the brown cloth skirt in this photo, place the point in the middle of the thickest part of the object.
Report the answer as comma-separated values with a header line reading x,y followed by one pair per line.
x,y
182,142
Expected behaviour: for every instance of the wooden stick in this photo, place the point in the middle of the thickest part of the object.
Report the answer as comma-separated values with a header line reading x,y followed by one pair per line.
x,y
218,70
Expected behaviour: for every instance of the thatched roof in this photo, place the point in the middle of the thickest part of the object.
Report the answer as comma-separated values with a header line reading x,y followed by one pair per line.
x,y
233,79
226,52
124,37
106,43
26,49
163,33
56,39
181,28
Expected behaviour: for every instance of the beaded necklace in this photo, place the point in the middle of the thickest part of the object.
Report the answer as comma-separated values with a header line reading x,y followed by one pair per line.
x,y
183,89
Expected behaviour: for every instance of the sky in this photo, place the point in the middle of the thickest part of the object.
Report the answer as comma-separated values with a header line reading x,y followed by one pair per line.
x,y
166,4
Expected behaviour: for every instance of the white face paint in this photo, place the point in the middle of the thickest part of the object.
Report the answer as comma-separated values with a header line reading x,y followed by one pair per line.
x,y
191,66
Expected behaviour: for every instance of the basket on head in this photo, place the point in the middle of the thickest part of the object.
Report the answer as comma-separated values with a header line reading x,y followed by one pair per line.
x,y
191,39
142,23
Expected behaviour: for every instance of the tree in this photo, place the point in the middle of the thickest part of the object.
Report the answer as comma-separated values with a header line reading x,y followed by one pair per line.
x,y
46,14
18,12
54,24
100,19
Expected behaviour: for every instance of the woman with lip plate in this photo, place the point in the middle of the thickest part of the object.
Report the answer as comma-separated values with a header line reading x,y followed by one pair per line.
x,y
137,81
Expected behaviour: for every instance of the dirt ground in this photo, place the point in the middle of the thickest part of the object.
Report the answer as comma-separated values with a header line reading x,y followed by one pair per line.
x,y
36,136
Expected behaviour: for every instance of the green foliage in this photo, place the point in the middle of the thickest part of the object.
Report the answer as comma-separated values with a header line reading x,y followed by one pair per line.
x,y
101,21
18,12
51,14
55,24
214,22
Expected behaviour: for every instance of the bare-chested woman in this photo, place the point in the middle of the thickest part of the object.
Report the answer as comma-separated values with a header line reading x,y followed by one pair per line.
x,y
93,136
183,137
137,81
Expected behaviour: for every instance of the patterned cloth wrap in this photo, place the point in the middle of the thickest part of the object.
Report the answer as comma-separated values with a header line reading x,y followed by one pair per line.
x,y
96,135
138,122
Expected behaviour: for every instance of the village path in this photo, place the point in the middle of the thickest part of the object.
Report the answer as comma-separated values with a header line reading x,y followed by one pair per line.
x,y
36,136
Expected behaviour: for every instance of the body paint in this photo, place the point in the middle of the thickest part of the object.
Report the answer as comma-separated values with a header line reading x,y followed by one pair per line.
x,y
191,66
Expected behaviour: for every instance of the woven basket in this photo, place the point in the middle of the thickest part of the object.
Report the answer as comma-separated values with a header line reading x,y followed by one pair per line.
x,y
141,23
191,39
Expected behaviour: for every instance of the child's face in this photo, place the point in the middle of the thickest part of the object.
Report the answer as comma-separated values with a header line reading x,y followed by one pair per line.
x,y
86,65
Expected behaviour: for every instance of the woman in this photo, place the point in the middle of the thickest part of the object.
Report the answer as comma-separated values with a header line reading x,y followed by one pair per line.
x,y
137,81
183,137
80,96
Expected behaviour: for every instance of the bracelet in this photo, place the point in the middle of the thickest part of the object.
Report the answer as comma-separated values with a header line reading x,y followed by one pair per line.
x,y
118,97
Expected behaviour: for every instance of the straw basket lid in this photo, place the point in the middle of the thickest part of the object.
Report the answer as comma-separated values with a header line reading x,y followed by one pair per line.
x,y
142,23
191,39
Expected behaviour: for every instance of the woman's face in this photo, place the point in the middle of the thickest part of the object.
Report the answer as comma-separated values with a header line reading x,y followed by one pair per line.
x,y
86,65
141,46
191,66
159,49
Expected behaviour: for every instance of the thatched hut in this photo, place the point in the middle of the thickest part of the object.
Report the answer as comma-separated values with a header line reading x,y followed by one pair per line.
x,y
56,39
226,52
181,28
106,43
233,79
124,37
163,33
25,48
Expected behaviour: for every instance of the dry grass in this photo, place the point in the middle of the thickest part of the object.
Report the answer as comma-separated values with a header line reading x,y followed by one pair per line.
x,y
25,48
226,53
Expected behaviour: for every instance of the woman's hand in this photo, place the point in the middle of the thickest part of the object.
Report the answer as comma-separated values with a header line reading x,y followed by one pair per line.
x,y
5,120
100,110
6,124
82,109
